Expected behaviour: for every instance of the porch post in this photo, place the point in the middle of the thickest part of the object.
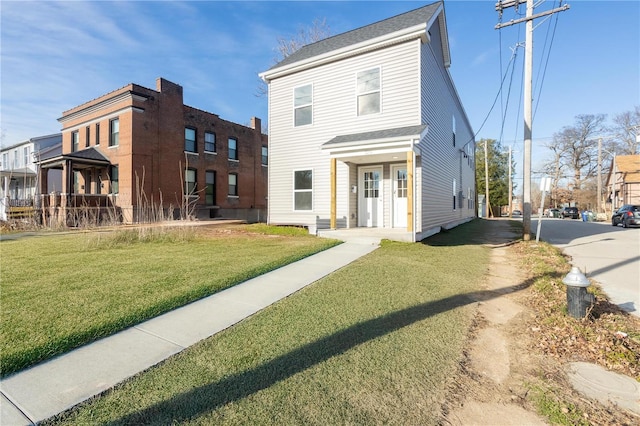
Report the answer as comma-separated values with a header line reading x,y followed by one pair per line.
x,y
410,191
333,194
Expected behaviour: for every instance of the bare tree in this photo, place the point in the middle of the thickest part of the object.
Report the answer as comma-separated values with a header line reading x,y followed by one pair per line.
x,y
579,146
318,30
555,169
627,132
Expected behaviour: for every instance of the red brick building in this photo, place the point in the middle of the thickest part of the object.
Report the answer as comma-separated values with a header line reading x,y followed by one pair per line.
x,y
141,152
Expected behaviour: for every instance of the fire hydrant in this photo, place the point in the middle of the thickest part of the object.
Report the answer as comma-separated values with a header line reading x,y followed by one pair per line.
x,y
578,300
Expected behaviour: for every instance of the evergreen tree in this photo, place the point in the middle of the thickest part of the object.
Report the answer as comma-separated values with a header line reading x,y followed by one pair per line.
x,y
498,162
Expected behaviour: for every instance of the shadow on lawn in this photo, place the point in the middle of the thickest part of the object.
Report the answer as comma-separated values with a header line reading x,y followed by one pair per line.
x,y
490,232
201,400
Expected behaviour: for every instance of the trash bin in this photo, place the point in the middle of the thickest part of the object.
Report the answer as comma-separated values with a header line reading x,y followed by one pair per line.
x,y
590,216
584,216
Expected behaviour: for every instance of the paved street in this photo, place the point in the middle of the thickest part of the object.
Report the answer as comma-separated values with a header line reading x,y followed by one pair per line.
x,y
606,254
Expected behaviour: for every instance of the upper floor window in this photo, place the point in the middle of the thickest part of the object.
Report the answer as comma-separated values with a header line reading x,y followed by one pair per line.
x,y
368,91
210,142
16,159
5,161
303,190
453,124
233,149
75,141
303,105
25,153
265,156
190,139
87,134
97,134
114,132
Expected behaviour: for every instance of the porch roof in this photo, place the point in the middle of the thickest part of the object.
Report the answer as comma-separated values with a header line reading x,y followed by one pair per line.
x,y
375,146
25,171
89,157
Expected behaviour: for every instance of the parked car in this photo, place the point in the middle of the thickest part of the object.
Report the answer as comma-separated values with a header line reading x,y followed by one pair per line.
x,y
570,212
516,213
627,215
553,213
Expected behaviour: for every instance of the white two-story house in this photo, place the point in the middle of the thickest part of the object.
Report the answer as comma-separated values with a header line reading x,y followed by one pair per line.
x,y
366,130
19,172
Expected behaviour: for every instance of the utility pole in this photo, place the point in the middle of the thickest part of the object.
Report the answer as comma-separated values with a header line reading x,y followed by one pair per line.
x,y
510,185
599,200
486,180
528,99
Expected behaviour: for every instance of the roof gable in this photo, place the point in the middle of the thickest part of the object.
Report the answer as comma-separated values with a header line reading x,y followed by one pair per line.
x,y
424,16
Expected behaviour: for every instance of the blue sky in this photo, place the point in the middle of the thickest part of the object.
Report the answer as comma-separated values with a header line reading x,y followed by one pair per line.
x,y
57,55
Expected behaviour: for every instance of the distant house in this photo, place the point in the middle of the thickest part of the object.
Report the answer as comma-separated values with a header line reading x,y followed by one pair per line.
x,y
19,172
623,181
366,130
138,153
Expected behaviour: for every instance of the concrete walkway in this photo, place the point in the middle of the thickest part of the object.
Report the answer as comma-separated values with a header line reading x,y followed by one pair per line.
x,y
54,386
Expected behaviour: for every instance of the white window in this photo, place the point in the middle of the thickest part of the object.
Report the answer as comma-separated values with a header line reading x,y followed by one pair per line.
x,y
368,91
303,105
303,190
5,161
453,121
26,155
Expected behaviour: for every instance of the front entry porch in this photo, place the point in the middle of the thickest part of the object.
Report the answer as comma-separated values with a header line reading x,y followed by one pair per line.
x,y
380,178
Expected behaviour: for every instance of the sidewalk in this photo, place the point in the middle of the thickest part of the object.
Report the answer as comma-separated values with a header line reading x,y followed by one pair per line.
x,y
47,389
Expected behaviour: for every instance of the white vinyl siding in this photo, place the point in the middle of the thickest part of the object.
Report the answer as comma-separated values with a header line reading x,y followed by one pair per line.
x,y
441,162
334,113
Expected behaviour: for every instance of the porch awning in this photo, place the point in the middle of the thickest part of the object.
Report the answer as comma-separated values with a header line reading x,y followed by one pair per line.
x,y
25,171
376,146
90,157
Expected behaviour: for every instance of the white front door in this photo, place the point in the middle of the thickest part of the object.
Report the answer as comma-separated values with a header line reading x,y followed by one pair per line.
x,y
399,177
370,212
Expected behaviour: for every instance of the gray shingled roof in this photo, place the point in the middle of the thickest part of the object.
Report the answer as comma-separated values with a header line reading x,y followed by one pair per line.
x,y
377,29
89,154
378,134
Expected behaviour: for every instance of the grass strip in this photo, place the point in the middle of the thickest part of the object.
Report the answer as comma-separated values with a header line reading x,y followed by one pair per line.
x,y
59,292
373,343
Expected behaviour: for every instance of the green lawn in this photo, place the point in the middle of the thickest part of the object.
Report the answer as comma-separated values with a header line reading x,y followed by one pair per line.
x,y
374,343
58,292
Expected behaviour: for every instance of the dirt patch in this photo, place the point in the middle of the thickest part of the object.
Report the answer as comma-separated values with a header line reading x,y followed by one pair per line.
x,y
514,370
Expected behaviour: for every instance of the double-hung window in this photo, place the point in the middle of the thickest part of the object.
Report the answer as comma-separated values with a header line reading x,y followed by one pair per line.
x,y
114,132
114,177
368,91
233,149
97,134
303,190
210,188
25,153
189,139
209,142
453,124
233,185
303,105
265,156
75,141
190,182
